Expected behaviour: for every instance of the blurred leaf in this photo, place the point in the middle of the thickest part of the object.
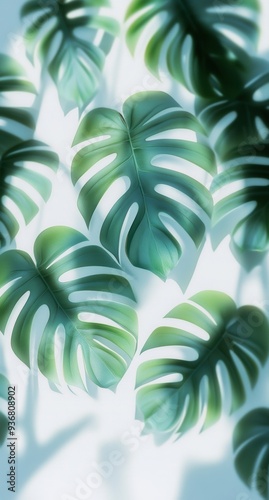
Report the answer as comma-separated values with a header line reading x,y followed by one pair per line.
x,y
251,446
106,348
28,164
242,120
15,123
195,386
249,167
64,36
240,130
204,42
3,416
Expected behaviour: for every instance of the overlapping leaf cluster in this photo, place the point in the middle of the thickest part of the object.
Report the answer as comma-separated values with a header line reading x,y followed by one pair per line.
x,y
88,331
211,49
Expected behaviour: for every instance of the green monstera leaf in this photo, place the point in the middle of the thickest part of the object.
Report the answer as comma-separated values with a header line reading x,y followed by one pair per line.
x,y
100,324
204,42
3,416
249,168
206,332
239,130
251,446
130,144
243,120
63,34
25,166
16,124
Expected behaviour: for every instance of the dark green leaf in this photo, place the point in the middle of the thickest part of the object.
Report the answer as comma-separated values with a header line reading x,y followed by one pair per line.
x,y
3,416
249,167
243,120
206,43
251,446
239,130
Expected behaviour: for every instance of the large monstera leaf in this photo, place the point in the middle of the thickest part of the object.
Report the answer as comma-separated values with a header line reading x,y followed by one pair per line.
x,y
241,130
3,416
130,144
24,170
63,34
204,333
15,123
251,445
204,42
64,265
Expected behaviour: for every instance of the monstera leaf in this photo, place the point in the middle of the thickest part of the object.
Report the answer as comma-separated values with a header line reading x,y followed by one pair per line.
x,y
130,144
15,124
243,120
240,131
3,416
206,332
66,264
251,445
63,35
25,166
204,43
248,165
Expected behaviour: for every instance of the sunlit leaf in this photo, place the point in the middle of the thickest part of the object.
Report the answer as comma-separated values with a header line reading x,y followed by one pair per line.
x,y
16,124
235,338
72,38
130,143
24,166
106,347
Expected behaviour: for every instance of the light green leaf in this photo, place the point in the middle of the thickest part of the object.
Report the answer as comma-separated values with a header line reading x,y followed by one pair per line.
x,y
63,36
107,348
195,385
251,446
130,143
204,43
27,164
15,124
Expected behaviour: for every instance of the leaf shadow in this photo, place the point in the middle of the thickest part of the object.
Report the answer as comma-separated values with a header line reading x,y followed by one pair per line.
x,y
36,454
210,482
116,484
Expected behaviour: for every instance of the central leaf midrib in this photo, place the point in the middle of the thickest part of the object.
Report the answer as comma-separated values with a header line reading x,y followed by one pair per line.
x,y
199,367
192,23
80,334
63,22
197,26
210,353
203,361
141,189
249,120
